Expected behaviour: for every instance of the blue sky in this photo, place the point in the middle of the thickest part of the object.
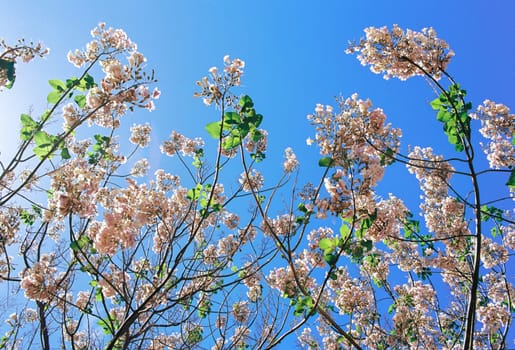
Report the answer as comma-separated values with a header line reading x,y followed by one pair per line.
x,y
294,54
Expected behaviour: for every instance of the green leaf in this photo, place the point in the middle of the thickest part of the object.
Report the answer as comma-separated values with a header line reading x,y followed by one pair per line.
x,y
87,82
367,244
27,218
194,336
232,118
326,244
204,309
42,138
193,194
256,135
254,120
436,103
57,85
357,253
231,141
243,129
246,102
43,151
458,146
344,231
365,225
443,115
65,154
425,273
27,121
100,138
105,326
72,82
45,145
74,246
299,309
330,259
53,96
410,227
213,129
491,212
511,180
80,100
29,125
37,210
464,117
387,158
325,162
8,67
45,115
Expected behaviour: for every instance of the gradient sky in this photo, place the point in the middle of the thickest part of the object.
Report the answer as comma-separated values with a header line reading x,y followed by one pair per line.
x,y
294,51
294,54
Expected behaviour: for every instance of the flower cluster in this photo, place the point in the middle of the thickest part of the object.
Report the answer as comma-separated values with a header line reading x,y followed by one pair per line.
x,y
140,134
240,336
413,325
317,234
10,55
306,339
291,163
182,144
105,106
288,281
227,246
402,54
498,126
71,116
126,211
115,93
493,317
389,219
40,282
139,169
376,267
443,214
112,283
74,189
282,225
106,40
241,311
215,87
9,224
493,253
358,143
256,147
349,294
509,236
251,181
252,279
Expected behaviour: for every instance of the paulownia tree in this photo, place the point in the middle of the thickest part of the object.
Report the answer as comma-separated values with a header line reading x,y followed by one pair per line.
x,y
96,253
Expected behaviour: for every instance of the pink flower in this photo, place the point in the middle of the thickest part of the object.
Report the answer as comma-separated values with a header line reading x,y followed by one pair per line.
x,y
140,134
403,54
156,94
291,163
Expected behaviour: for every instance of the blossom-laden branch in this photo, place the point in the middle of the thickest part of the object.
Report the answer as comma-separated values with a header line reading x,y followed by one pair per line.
x,y
10,54
224,257
389,51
